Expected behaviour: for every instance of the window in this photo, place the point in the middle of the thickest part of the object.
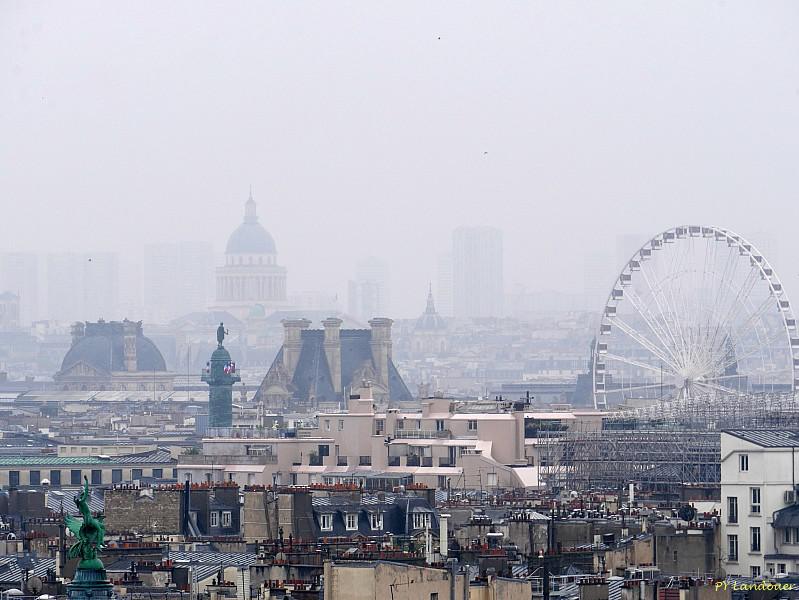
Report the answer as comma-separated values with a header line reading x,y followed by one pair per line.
x,y
158,473
97,477
116,475
326,522
74,477
780,568
327,424
732,548
352,521
376,521
136,474
380,426
341,461
732,509
471,425
213,518
755,572
365,461
35,477
55,477
755,493
786,535
743,462
439,424
421,520
13,478
401,424
770,569
754,537
227,518
341,424
433,595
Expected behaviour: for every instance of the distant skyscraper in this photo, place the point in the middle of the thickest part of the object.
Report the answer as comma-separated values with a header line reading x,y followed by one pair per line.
x,y
82,286
369,292
177,279
444,285
599,272
477,278
19,274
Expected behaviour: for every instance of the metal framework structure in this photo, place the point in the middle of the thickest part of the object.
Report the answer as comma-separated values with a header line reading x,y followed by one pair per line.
x,y
660,447
697,310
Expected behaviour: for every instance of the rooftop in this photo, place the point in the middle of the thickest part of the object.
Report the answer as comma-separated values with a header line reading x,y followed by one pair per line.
x,y
767,438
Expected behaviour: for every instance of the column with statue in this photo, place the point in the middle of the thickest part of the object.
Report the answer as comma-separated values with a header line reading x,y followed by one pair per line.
x,y
220,375
90,581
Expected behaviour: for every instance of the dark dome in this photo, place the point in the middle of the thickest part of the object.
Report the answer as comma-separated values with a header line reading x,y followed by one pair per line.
x,y
104,351
250,237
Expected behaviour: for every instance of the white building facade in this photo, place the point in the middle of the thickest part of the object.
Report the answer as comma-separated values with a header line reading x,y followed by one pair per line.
x,y
760,519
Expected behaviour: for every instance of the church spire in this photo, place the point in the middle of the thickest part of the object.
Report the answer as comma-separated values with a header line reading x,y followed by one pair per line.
x,y
431,306
250,215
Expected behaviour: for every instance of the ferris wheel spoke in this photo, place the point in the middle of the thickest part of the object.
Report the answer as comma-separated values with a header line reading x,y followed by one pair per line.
x,y
649,319
717,387
726,362
635,363
637,387
660,300
645,343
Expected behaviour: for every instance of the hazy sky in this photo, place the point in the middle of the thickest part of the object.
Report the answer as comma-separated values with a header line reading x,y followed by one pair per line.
x,y
375,128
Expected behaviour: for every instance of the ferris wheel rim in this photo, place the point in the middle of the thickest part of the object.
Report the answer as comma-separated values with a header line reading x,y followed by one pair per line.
x,y
681,232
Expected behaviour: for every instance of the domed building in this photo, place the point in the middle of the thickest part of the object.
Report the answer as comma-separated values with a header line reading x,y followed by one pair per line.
x,y
430,332
113,355
250,278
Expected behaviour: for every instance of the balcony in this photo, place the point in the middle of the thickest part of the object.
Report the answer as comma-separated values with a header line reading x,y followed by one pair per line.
x,y
227,459
413,461
341,461
423,434
427,461
393,461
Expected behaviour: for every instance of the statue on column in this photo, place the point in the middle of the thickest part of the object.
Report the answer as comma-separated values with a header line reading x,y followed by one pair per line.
x,y
220,333
90,532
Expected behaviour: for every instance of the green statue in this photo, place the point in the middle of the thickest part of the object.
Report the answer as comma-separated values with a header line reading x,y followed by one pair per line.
x,y
90,532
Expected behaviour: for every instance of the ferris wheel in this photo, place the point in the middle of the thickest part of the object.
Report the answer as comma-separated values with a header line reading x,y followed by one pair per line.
x,y
697,311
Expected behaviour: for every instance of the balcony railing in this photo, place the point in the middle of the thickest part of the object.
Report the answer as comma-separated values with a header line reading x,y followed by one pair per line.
x,y
227,459
423,434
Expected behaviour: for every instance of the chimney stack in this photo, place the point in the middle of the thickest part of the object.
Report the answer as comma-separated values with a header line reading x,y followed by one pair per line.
x,y
381,347
292,342
332,347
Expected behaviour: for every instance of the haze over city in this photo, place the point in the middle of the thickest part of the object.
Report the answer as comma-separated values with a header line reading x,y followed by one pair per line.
x,y
375,130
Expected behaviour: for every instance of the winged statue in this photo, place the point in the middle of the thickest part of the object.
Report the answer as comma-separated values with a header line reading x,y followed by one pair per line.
x,y
90,532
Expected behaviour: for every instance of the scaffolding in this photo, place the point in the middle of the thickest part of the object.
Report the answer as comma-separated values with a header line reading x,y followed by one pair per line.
x,y
661,448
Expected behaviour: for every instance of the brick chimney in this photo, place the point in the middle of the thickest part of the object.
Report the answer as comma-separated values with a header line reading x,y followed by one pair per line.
x,y
292,342
381,347
332,347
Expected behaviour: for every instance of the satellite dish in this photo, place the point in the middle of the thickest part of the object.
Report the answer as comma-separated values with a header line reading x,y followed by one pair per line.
x,y
34,585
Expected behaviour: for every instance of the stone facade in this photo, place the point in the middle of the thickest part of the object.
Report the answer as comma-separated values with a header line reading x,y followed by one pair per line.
x,y
145,511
